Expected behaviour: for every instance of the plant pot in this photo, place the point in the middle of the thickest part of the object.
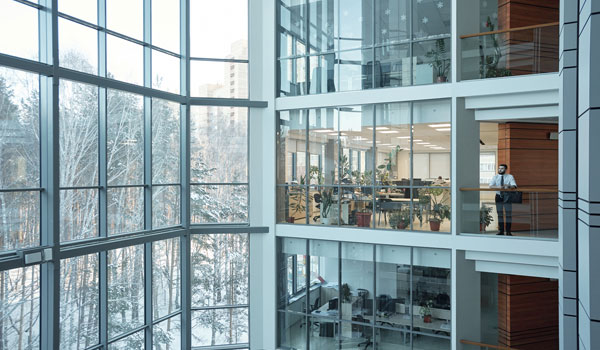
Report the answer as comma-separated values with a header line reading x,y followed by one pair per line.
x,y
434,225
290,219
401,226
441,79
427,319
363,219
325,221
481,228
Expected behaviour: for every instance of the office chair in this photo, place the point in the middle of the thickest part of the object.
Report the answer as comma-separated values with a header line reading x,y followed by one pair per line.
x,y
317,198
364,331
313,307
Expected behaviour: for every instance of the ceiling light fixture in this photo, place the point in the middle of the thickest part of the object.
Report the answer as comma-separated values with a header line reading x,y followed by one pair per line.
x,y
403,137
323,130
439,125
379,128
444,129
390,132
423,143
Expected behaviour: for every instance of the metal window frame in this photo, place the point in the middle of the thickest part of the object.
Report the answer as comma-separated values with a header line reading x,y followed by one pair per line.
x,y
52,250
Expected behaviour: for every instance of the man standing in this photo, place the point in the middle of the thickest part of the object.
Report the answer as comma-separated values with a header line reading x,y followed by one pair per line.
x,y
503,181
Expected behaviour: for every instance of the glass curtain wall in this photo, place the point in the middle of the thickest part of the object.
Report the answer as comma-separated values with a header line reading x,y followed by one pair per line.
x,y
384,166
106,163
344,45
357,295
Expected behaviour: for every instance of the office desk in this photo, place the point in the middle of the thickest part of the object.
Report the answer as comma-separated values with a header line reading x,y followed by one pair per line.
x,y
403,321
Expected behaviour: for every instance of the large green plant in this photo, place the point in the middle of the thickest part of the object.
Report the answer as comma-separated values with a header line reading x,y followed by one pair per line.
x,y
488,67
326,202
400,218
439,210
440,60
485,216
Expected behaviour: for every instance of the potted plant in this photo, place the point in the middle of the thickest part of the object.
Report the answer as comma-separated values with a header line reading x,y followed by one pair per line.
x,y
485,217
426,311
441,61
326,202
363,218
439,210
488,66
346,293
400,219
297,204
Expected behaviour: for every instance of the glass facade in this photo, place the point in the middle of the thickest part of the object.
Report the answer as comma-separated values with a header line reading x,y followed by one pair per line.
x,y
381,166
342,294
107,165
335,45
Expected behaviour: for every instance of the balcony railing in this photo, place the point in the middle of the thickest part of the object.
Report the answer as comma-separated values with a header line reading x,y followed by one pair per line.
x,y
510,52
472,345
535,216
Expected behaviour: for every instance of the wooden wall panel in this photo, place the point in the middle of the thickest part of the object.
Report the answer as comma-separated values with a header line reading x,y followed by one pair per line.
x,y
527,312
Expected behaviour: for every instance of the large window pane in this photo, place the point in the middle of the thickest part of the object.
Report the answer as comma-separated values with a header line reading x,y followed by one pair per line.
x,y
166,206
165,141
394,66
356,70
392,21
165,24
77,46
356,24
219,327
324,278
126,17
219,204
124,60
20,308
431,60
132,342
125,138
431,18
392,266
357,280
166,277
220,269
86,10
292,19
125,289
21,19
219,79
292,76
219,144
125,209
79,303
219,29
292,330
19,129
165,72
167,334
78,214
291,145
322,26
431,141
78,125
20,215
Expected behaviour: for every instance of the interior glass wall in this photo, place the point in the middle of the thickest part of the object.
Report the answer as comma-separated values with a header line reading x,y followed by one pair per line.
x,y
384,166
106,172
335,45
357,295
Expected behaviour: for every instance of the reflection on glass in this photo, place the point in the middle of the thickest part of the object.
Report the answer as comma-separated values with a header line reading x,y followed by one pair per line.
x,y
211,36
125,289
86,10
392,264
324,279
322,27
22,210
166,274
394,339
125,206
78,125
431,18
20,307
220,269
19,129
292,330
125,138
356,143
219,144
134,341
323,146
78,214
165,72
165,141
167,334
356,24
79,301
322,76
166,206
292,19
126,17
291,147
219,79
219,204
392,21
124,60
21,19
219,327
292,275
292,76
294,209
357,283
78,46
356,70
165,24
431,143
324,334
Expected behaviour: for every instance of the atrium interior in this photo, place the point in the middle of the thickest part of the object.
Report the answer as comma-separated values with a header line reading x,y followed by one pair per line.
x,y
299,174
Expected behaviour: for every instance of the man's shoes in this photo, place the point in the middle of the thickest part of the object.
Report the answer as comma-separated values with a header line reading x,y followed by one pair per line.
x,y
500,234
508,234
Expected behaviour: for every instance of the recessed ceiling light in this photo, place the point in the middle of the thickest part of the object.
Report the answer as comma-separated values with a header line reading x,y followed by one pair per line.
x,y
323,130
389,132
439,125
417,140
423,143
444,129
403,137
379,128
432,146
437,148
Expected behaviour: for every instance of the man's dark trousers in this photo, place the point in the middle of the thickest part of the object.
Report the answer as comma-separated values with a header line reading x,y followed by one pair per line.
x,y
502,203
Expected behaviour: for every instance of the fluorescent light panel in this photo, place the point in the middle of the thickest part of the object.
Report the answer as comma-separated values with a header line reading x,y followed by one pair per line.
x,y
379,128
389,132
439,125
444,129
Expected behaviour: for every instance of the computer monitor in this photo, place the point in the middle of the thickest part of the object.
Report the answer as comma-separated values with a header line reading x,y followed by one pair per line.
x,y
333,304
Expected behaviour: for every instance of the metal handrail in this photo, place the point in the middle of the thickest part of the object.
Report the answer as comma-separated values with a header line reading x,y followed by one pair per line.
x,y
510,30
518,189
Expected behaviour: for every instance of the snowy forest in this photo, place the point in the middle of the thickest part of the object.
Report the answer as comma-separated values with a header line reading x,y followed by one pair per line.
x,y
219,261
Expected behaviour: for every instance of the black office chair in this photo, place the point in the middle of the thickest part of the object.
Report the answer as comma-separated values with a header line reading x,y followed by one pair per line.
x,y
365,332
317,198
313,307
